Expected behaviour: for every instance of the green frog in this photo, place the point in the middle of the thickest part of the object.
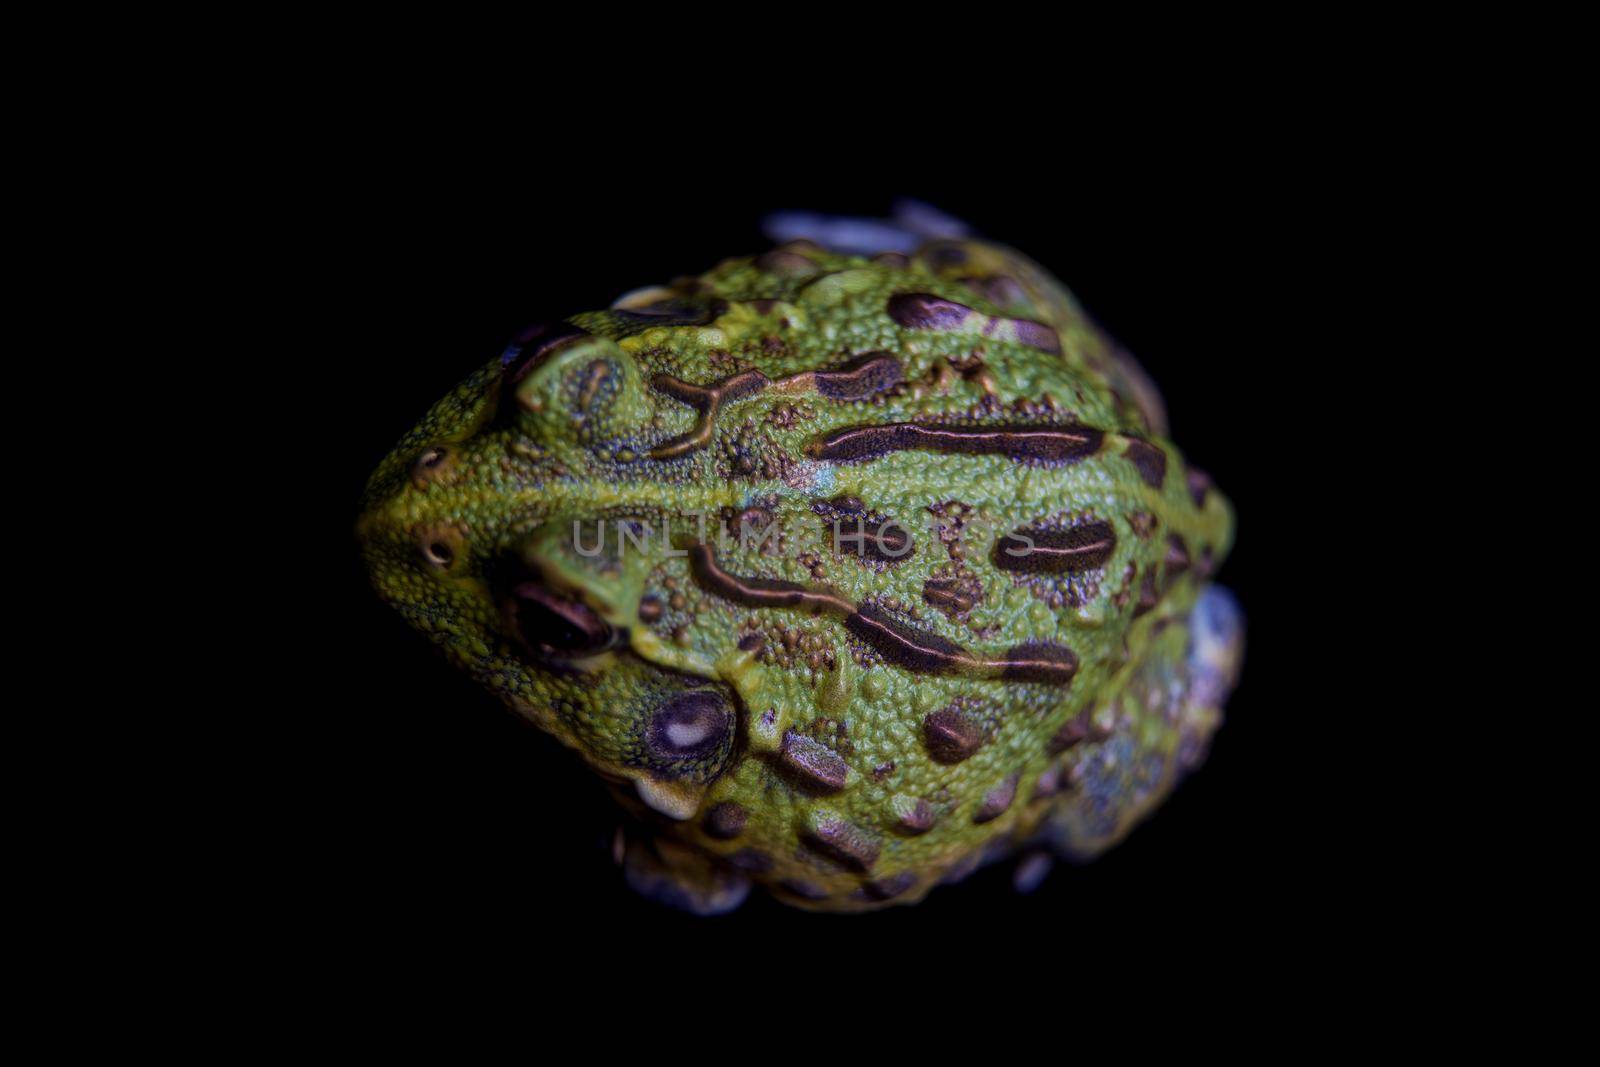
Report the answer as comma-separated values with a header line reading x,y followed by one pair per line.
x,y
850,567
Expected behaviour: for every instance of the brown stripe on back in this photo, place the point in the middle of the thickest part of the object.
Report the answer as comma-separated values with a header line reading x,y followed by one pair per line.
x,y
1040,661
760,592
905,646
707,400
1043,444
1149,595
924,311
1037,335
1056,551
859,379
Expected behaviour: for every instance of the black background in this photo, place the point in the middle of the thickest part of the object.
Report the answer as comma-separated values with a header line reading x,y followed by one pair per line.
x,y
445,813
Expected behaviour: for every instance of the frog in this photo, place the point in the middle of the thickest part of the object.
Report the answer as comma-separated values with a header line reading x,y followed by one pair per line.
x,y
850,567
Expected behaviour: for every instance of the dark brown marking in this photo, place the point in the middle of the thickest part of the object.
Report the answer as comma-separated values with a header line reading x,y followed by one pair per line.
x,y
943,254
1072,733
999,289
863,377
1037,550
1037,335
1149,460
1149,596
761,592
1044,444
887,888
996,801
785,263
1051,783
802,888
950,736
1177,556
924,311
1040,661
946,595
919,820
708,401
726,820
649,609
673,311
915,650
751,860
814,763
892,259
906,646
1199,484
844,841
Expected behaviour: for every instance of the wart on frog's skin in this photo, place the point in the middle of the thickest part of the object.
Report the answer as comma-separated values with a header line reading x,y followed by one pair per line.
x,y
846,725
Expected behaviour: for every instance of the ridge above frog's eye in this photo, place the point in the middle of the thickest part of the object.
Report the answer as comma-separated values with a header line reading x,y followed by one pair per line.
x,y
554,626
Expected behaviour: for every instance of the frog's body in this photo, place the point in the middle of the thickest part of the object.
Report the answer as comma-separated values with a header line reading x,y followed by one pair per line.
x,y
626,529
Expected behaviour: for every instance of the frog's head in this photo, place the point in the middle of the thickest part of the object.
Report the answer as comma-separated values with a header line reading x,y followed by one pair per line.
x,y
480,529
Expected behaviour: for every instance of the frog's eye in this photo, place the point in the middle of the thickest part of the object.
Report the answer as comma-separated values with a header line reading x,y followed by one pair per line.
x,y
531,350
555,626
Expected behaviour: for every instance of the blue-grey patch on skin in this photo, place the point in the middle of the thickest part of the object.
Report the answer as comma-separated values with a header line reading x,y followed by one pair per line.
x,y
1216,639
913,223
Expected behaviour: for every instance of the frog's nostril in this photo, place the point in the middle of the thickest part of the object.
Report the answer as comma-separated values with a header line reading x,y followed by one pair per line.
x,y
440,547
429,465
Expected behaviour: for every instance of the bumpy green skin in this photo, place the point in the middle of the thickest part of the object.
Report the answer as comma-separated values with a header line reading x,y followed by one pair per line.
x,y
492,480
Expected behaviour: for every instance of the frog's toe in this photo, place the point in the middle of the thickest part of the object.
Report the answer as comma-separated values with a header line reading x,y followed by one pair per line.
x,y
1182,684
1031,872
1216,645
913,223
672,874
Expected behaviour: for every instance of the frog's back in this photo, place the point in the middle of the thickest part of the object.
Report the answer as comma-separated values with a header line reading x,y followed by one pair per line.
x,y
905,573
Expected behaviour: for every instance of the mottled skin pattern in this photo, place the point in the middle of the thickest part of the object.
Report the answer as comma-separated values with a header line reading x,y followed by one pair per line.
x,y
850,724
